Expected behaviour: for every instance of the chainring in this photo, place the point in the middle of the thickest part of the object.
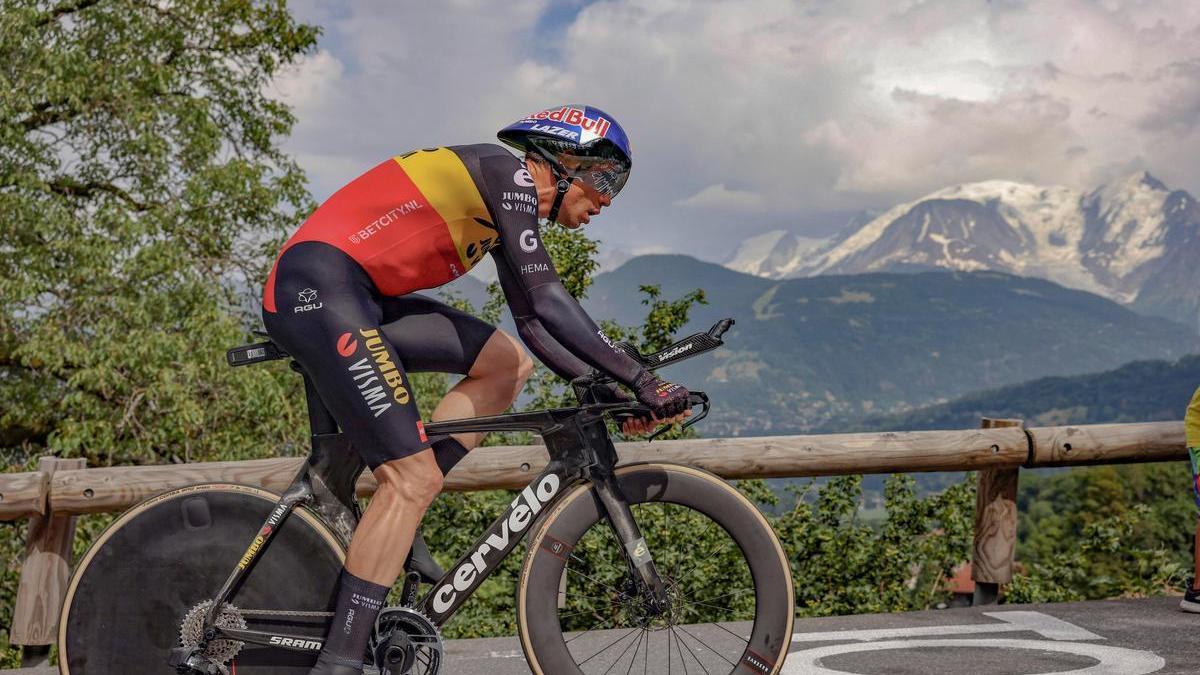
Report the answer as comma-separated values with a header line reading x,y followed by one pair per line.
x,y
191,632
424,652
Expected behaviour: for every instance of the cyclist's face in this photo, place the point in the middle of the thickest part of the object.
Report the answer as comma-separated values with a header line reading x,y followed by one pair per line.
x,y
580,204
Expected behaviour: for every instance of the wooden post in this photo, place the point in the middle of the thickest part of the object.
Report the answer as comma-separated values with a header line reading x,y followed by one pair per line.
x,y
44,575
995,526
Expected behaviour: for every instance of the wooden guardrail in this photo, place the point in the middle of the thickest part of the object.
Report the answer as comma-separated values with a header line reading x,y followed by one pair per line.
x,y
61,489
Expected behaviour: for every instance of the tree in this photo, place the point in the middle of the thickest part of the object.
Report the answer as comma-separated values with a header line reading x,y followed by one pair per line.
x,y
142,187
143,191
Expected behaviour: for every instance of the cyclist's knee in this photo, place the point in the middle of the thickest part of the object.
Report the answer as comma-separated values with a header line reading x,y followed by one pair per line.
x,y
413,482
524,368
503,358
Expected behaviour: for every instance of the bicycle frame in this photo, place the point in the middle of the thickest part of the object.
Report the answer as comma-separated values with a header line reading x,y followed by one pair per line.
x,y
580,449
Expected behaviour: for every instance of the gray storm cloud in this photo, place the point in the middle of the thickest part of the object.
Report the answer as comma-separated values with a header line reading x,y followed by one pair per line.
x,y
754,113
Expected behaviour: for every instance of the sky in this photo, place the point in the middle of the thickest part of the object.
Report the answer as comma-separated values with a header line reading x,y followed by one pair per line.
x,y
754,115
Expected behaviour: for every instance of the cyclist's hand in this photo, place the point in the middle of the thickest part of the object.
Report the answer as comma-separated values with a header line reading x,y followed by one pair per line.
x,y
664,399
640,426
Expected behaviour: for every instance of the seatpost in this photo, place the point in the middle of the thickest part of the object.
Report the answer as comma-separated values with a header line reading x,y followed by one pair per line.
x,y
320,420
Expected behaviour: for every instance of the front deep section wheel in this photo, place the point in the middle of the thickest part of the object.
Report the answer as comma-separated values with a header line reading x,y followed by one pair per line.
x,y
730,602
143,581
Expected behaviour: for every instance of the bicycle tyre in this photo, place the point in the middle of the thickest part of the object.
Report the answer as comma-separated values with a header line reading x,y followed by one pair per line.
x,y
561,528
131,590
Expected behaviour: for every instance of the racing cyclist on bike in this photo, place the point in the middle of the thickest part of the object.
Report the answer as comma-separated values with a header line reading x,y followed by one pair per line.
x,y
340,300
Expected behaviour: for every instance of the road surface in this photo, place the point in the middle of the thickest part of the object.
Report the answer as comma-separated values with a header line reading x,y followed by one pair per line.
x,y
1113,637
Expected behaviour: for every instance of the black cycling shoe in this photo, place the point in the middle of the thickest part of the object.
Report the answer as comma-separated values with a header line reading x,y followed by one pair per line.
x,y
1191,599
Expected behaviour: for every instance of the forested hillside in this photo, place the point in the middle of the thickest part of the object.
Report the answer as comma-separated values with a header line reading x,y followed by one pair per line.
x,y
1142,391
822,351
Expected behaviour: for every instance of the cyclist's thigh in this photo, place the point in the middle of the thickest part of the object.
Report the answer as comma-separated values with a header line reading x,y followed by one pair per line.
x,y
327,318
432,336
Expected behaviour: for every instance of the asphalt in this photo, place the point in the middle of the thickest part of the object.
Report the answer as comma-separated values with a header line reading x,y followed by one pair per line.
x,y
1113,637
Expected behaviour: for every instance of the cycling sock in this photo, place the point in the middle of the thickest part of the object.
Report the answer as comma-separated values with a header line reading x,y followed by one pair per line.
x,y
358,604
332,665
448,452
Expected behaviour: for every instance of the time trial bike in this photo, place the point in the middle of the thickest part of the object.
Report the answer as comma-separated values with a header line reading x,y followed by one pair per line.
x,y
648,567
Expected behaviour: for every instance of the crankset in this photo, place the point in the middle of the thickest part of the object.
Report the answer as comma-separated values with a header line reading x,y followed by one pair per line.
x,y
406,642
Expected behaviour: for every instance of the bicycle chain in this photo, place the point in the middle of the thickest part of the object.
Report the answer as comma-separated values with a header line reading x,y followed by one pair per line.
x,y
282,612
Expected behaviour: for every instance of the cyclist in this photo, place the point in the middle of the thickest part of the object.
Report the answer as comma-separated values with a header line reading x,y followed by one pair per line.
x,y
340,299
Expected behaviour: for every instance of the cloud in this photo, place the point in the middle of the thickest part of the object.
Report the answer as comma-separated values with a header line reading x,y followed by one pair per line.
x,y
720,197
808,107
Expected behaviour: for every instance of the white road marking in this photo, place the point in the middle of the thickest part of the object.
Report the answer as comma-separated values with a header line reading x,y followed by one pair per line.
x,y
1112,660
1042,624
1060,634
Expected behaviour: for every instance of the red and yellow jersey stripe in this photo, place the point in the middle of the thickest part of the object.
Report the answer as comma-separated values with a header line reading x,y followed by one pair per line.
x,y
415,221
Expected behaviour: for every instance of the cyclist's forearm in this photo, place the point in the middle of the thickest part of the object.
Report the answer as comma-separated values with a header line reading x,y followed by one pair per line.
x,y
571,327
558,358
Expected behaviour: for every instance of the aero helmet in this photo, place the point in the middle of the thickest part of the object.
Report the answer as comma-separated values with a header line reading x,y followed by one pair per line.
x,y
579,142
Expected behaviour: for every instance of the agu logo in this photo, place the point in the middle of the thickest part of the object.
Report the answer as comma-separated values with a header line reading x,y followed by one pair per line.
x,y
308,301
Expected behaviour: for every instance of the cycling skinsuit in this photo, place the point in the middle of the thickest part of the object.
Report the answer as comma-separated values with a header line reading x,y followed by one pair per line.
x,y
340,296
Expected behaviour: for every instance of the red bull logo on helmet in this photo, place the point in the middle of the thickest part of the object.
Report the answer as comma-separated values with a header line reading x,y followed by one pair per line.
x,y
597,126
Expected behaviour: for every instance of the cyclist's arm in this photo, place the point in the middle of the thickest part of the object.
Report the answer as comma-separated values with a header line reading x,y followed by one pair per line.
x,y
535,336
531,284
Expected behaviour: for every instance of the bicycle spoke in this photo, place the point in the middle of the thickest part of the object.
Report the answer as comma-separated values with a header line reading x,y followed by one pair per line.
x,y
633,659
675,580
594,581
705,604
646,654
699,538
731,632
689,649
584,633
622,655
710,647
678,643
608,647
724,595
669,657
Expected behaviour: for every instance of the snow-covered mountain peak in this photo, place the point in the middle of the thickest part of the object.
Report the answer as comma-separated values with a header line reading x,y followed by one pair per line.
x,y
1127,240
777,253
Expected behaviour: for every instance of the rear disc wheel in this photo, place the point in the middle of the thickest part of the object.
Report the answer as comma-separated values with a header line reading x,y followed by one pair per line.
x,y
130,593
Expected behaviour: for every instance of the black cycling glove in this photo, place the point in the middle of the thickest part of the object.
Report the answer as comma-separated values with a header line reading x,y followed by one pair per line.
x,y
663,398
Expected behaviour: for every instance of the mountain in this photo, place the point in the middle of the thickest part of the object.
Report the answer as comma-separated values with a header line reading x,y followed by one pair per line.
x,y
775,254
1133,241
1142,391
809,351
